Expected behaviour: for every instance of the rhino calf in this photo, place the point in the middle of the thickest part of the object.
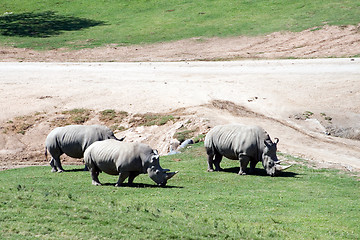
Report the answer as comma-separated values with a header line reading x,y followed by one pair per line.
x,y
73,141
244,143
127,160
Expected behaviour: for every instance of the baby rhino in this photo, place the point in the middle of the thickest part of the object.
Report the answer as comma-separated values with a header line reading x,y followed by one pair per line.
x,y
127,160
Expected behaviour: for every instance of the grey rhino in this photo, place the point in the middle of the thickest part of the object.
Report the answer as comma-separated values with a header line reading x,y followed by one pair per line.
x,y
127,160
244,143
73,141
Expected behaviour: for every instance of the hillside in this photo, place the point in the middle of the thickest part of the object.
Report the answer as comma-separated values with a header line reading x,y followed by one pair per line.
x,y
318,42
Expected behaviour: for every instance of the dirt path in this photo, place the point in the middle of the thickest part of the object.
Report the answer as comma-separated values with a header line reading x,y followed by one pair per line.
x,y
298,101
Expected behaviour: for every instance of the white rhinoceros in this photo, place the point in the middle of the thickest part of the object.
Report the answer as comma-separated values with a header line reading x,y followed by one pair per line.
x,y
73,141
127,160
244,143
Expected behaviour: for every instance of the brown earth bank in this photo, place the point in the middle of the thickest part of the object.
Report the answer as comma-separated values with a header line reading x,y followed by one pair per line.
x,y
311,105
317,42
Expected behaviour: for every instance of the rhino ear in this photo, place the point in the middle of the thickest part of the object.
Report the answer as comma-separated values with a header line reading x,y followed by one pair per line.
x,y
153,158
267,144
155,152
276,140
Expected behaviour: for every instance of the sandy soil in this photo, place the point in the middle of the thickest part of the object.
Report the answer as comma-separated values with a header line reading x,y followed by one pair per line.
x,y
299,101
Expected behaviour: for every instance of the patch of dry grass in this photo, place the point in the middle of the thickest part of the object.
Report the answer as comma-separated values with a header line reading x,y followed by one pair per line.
x,y
150,119
21,124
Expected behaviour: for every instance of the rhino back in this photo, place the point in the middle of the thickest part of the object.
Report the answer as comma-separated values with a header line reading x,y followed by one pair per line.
x,y
112,156
95,133
74,139
234,140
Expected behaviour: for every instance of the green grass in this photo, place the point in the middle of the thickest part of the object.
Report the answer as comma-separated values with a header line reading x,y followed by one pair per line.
x,y
76,116
150,119
302,203
183,133
47,24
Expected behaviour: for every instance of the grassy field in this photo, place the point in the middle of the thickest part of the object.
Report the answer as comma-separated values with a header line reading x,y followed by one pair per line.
x,y
47,24
302,203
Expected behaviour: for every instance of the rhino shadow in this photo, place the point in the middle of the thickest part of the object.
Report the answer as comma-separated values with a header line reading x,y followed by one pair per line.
x,y
260,172
76,170
42,24
138,185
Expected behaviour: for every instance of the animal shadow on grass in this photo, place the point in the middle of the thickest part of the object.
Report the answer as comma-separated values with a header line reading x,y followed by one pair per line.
x,y
260,172
76,170
42,24
138,185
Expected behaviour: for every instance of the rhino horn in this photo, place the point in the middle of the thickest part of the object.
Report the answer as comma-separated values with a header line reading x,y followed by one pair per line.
x,y
166,170
282,167
281,161
170,175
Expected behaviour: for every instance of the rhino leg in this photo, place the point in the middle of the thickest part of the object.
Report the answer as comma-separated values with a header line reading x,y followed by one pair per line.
x,y
210,162
217,161
122,177
252,167
244,161
86,168
52,164
95,176
56,165
132,176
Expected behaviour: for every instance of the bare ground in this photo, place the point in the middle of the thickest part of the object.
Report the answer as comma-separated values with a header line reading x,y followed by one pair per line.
x,y
311,105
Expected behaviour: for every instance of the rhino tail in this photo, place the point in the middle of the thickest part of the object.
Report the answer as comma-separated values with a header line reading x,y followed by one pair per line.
x,y
120,139
46,153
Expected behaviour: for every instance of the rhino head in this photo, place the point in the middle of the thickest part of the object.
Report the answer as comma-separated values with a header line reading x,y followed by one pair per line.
x,y
269,159
156,172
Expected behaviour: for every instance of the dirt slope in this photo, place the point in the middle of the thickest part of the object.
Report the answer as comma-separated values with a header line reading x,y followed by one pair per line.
x,y
318,42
